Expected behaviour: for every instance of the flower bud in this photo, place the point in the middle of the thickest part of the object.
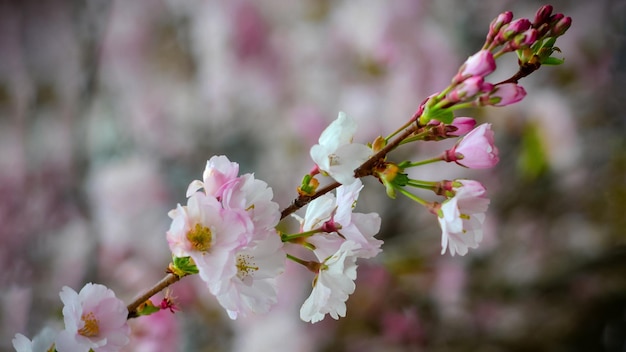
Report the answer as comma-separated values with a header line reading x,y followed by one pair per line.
x,y
523,40
469,88
506,94
476,150
561,26
512,29
542,15
480,64
462,126
497,23
501,20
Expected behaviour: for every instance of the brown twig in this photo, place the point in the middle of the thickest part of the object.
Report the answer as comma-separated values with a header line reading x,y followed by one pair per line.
x,y
168,280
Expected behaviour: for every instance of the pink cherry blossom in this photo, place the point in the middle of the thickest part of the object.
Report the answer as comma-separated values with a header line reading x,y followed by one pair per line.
x,y
255,198
217,173
94,320
209,234
335,154
253,288
332,286
476,150
461,218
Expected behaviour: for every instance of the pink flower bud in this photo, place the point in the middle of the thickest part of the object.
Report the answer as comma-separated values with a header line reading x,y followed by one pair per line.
x,y
497,23
561,26
476,150
480,64
462,125
512,29
523,40
501,20
542,15
469,88
508,93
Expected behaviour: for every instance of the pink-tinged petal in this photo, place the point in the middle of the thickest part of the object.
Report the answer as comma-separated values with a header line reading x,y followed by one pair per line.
x,y
336,155
463,125
461,218
509,93
99,324
194,187
476,150
480,64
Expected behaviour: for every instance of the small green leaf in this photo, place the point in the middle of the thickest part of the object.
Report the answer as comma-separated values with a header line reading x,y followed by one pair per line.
x,y
183,266
552,61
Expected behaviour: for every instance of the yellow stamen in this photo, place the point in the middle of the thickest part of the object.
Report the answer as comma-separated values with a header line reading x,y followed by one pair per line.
x,y
90,329
245,266
200,238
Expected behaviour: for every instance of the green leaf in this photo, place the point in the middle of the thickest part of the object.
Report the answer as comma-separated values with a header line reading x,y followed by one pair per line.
x,y
183,266
553,61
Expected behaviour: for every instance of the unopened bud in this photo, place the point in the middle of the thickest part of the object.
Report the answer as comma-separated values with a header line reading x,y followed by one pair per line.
x,y
561,26
505,94
512,29
480,64
497,23
379,143
543,15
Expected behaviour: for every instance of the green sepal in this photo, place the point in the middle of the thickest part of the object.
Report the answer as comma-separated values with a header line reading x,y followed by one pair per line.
x,y
306,186
401,180
441,115
147,308
183,266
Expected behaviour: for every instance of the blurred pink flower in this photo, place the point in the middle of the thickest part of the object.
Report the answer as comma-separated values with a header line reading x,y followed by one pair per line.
x,y
94,320
154,332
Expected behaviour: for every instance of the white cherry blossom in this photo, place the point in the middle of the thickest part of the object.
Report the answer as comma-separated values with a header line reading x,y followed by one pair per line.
x,y
335,154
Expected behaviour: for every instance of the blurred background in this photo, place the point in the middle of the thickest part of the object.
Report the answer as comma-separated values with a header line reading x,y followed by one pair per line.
x,y
108,109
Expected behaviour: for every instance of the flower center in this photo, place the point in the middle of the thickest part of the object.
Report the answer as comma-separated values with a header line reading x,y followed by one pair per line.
x,y
333,159
200,238
90,329
245,266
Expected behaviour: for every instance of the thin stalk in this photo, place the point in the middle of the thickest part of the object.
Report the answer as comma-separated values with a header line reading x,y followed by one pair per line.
x,y
168,280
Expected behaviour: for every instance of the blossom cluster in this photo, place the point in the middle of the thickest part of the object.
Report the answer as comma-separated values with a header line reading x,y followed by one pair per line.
x,y
228,233
228,229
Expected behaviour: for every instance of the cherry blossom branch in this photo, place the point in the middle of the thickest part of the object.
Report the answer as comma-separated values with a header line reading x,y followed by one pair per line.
x,y
366,169
168,280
